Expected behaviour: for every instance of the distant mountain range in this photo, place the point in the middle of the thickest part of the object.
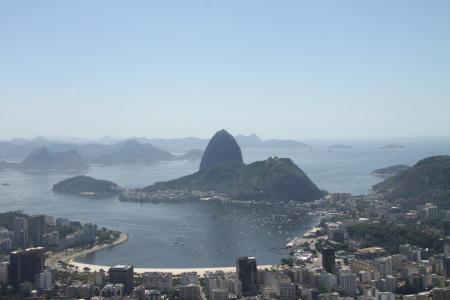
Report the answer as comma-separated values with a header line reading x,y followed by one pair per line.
x,y
133,152
43,159
68,157
17,149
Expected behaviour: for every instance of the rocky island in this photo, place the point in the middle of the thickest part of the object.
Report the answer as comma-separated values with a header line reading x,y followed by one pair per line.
x,y
392,147
86,186
339,147
390,171
194,154
223,174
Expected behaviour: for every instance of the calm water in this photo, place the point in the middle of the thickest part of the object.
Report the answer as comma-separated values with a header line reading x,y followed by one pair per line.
x,y
201,234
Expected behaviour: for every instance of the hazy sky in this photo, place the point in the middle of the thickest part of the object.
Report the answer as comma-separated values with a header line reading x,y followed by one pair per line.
x,y
288,69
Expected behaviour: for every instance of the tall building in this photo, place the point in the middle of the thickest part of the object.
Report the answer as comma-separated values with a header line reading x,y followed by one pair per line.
x,y
447,266
20,228
385,296
20,224
4,267
190,292
384,266
328,260
153,295
44,280
348,283
441,294
246,269
90,229
25,265
37,228
417,282
219,294
123,274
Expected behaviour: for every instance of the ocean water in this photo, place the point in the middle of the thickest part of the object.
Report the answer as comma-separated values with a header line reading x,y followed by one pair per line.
x,y
205,234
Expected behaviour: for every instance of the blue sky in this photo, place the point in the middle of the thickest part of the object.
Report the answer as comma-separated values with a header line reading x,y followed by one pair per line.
x,y
287,69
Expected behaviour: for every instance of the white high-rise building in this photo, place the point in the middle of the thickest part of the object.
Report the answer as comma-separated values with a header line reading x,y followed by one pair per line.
x,y
385,296
329,296
44,280
384,266
348,284
4,266
219,294
189,292
187,278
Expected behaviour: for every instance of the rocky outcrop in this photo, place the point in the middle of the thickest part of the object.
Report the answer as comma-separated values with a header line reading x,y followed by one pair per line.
x,y
221,147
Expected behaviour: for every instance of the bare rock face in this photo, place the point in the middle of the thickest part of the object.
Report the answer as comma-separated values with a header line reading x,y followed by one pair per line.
x,y
221,147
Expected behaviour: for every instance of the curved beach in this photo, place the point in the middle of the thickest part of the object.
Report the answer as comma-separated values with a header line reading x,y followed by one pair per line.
x,y
69,256
174,271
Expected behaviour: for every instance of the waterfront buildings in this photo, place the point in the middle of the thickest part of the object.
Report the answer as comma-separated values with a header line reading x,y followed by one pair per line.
x,y
123,274
25,265
158,280
328,260
44,280
189,292
37,228
246,269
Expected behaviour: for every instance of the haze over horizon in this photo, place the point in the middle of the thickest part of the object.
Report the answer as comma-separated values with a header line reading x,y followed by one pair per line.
x,y
297,70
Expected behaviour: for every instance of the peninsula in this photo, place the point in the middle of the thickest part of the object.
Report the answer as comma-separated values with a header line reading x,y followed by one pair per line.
x,y
223,174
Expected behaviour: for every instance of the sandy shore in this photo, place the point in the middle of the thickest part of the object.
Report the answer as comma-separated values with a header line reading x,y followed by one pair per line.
x,y
69,257
174,271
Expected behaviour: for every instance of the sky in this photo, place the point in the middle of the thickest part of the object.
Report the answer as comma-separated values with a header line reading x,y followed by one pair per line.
x,y
285,69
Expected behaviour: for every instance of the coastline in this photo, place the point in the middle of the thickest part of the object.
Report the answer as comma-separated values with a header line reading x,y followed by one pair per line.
x,y
69,256
174,271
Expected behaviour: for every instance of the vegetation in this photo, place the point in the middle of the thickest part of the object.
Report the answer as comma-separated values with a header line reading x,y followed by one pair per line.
x,y
287,261
390,236
323,243
6,218
391,171
7,294
133,152
427,180
271,179
107,236
43,159
87,186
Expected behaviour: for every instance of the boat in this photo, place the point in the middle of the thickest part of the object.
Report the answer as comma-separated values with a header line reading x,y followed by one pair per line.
x,y
6,183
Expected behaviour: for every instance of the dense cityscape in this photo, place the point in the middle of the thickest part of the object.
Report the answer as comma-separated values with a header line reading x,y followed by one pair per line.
x,y
365,247
224,150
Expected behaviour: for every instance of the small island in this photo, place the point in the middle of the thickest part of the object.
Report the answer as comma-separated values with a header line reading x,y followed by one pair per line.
x,y
390,171
86,186
194,154
392,147
339,147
